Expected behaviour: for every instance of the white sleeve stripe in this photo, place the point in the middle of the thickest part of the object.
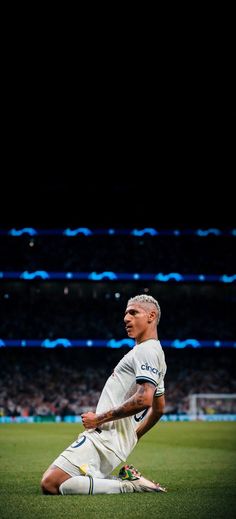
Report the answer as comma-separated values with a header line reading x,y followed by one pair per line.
x,y
148,380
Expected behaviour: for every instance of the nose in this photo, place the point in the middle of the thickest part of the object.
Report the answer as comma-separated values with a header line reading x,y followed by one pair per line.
x,y
127,318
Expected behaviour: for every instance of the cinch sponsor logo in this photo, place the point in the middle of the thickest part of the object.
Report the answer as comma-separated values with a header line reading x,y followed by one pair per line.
x,y
149,368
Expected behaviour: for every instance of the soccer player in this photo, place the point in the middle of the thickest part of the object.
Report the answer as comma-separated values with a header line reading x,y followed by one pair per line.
x,y
132,401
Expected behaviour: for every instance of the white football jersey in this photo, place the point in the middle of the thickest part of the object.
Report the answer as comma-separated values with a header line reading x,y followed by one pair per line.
x,y
145,362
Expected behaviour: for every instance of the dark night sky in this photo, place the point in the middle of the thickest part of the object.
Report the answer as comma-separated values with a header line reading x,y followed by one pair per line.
x,y
58,202
182,177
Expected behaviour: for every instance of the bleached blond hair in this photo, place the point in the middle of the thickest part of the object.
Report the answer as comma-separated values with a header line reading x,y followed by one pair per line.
x,y
143,298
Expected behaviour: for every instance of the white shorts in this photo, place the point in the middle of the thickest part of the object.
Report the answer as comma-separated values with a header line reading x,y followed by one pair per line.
x,y
83,457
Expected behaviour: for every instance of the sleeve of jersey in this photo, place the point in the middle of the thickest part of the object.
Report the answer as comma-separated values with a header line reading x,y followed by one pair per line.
x,y
147,366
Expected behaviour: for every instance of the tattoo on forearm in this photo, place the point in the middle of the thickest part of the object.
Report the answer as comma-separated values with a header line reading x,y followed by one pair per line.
x,y
128,408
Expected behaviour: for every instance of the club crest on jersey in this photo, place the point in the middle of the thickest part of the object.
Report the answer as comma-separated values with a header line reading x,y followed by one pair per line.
x,y
146,367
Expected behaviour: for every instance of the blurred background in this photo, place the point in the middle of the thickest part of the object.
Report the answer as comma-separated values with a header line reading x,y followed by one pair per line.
x,y
63,293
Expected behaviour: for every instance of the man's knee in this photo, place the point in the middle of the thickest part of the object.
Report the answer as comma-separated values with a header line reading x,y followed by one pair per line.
x,y
52,479
48,486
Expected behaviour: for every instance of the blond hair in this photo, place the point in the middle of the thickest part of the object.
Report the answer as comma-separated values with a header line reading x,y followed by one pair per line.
x,y
143,298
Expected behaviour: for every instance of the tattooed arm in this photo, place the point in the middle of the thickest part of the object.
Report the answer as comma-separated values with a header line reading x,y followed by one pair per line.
x,y
142,399
153,415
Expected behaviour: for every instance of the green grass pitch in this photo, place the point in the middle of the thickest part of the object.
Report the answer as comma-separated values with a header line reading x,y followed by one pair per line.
x,y
196,462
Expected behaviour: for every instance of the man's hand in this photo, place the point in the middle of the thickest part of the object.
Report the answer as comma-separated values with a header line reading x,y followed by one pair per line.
x,y
139,401
89,420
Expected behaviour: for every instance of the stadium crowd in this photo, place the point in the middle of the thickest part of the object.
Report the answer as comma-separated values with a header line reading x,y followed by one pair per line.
x,y
61,382
40,310
186,254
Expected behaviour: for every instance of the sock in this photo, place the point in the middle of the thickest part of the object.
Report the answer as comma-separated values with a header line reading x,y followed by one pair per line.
x,y
88,485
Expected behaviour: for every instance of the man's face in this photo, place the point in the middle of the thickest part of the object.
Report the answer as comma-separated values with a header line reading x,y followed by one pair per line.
x,y
136,320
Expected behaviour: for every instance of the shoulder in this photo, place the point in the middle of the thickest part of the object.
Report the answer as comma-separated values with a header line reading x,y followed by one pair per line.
x,y
152,350
151,344
147,347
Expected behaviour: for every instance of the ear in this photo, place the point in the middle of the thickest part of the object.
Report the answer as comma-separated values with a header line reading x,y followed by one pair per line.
x,y
151,316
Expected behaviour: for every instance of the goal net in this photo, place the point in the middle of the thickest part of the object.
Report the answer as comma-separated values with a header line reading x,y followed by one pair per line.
x,y
207,406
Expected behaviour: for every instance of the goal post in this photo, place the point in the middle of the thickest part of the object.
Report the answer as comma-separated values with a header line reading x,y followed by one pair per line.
x,y
202,405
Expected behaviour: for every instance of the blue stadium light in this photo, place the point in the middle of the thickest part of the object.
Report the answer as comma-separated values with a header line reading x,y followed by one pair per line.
x,y
167,277
142,232
117,276
25,230
33,275
113,343
80,230
228,279
103,275
85,231
207,232
48,343
188,342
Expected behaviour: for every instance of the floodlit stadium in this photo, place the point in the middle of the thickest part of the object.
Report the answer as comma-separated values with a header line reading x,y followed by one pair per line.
x,y
63,294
